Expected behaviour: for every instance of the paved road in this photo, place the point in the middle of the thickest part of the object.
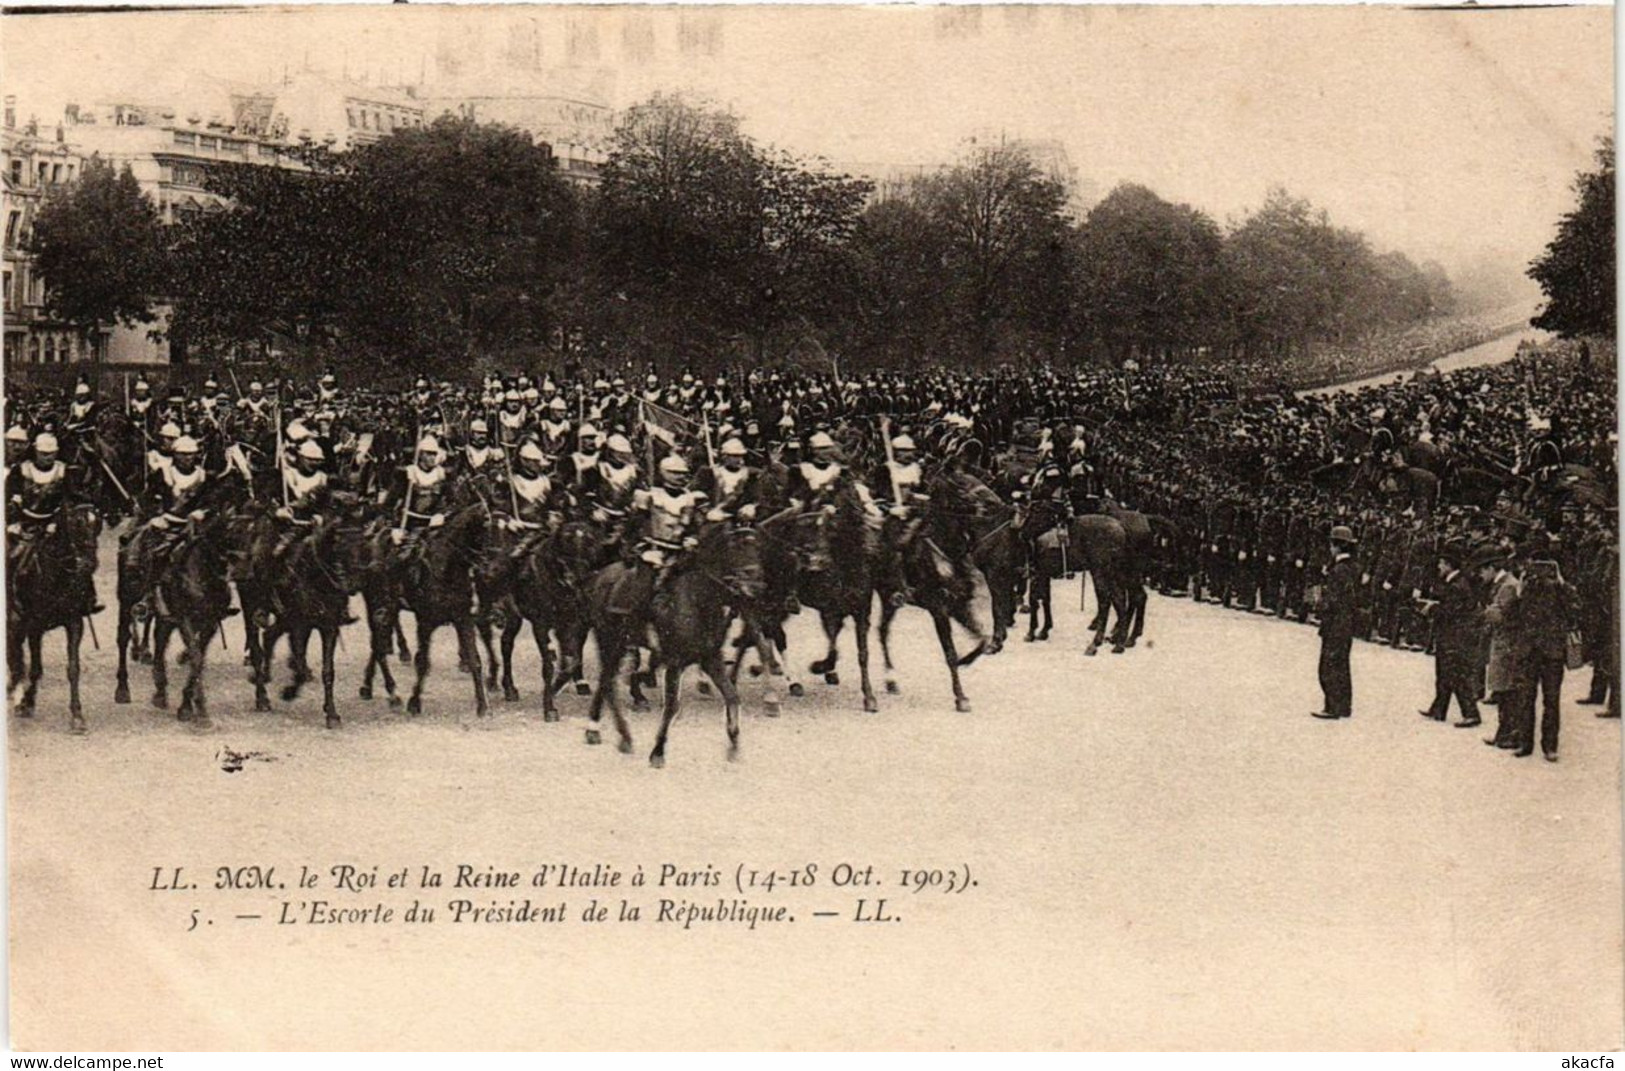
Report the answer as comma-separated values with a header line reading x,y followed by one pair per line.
x,y
1169,853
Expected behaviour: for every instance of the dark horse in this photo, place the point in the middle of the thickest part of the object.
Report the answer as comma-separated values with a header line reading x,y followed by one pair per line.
x,y
1100,546
545,588
932,563
197,598
836,578
689,616
439,590
48,586
308,590
193,596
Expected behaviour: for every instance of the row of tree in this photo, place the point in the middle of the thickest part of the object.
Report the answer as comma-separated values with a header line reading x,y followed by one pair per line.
x,y
698,246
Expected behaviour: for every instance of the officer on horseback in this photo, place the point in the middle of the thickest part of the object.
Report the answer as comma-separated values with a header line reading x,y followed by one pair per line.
x,y
671,514
80,424
609,487
895,489
307,489
555,428
182,483
16,444
732,487
255,403
140,408
426,491
36,492
481,460
534,508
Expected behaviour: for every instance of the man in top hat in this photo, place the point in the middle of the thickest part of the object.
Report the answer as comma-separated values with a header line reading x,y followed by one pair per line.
x,y
1458,629
1338,599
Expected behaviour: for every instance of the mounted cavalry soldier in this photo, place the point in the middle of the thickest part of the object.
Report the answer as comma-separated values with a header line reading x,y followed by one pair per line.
x,y
159,458
732,487
895,489
16,444
178,494
307,488
480,460
82,413
36,492
815,486
140,407
584,461
609,487
555,428
255,403
670,514
512,419
425,491
531,511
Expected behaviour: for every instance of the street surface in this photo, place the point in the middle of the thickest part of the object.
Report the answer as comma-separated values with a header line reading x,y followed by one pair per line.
x,y
1169,853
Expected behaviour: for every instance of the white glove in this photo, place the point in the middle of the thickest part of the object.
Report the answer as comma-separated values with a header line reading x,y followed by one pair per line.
x,y
689,543
748,513
600,517
829,511
717,514
160,522
898,512
283,514
437,520
14,529
195,515
396,535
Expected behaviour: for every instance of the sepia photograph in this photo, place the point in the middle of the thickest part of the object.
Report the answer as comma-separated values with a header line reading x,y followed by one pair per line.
x,y
828,527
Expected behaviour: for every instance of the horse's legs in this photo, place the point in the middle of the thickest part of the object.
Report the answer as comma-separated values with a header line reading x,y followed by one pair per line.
x,y
945,637
609,664
263,645
197,648
31,690
550,710
414,705
160,671
75,632
16,661
491,652
965,614
1122,600
121,691
730,699
330,642
298,647
468,640
398,634
887,613
634,679
832,621
674,680
781,638
860,626
1104,593
511,627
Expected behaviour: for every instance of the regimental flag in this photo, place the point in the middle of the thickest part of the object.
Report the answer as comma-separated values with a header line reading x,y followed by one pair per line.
x,y
666,425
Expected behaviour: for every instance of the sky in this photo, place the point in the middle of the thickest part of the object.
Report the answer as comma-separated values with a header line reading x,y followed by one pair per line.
x,y
1446,134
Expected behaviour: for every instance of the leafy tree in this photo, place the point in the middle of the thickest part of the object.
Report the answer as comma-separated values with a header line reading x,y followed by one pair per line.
x,y
98,246
1149,274
1001,218
1577,270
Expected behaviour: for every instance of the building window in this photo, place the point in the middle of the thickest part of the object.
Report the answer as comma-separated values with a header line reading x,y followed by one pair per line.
x,y
56,174
69,172
12,219
17,173
349,113
7,299
185,137
37,350
44,170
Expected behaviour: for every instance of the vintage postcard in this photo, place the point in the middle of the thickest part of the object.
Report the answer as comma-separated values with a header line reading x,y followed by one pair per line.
x,y
822,527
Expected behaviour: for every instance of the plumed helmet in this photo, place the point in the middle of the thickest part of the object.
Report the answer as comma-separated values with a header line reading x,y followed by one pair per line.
x,y
531,452
734,448
312,449
297,432
185,445
557,405
81,388
587,432
673,465
429,445
45,443
479,425
16,434
511,396
169,431
618,444
902,442
821,441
